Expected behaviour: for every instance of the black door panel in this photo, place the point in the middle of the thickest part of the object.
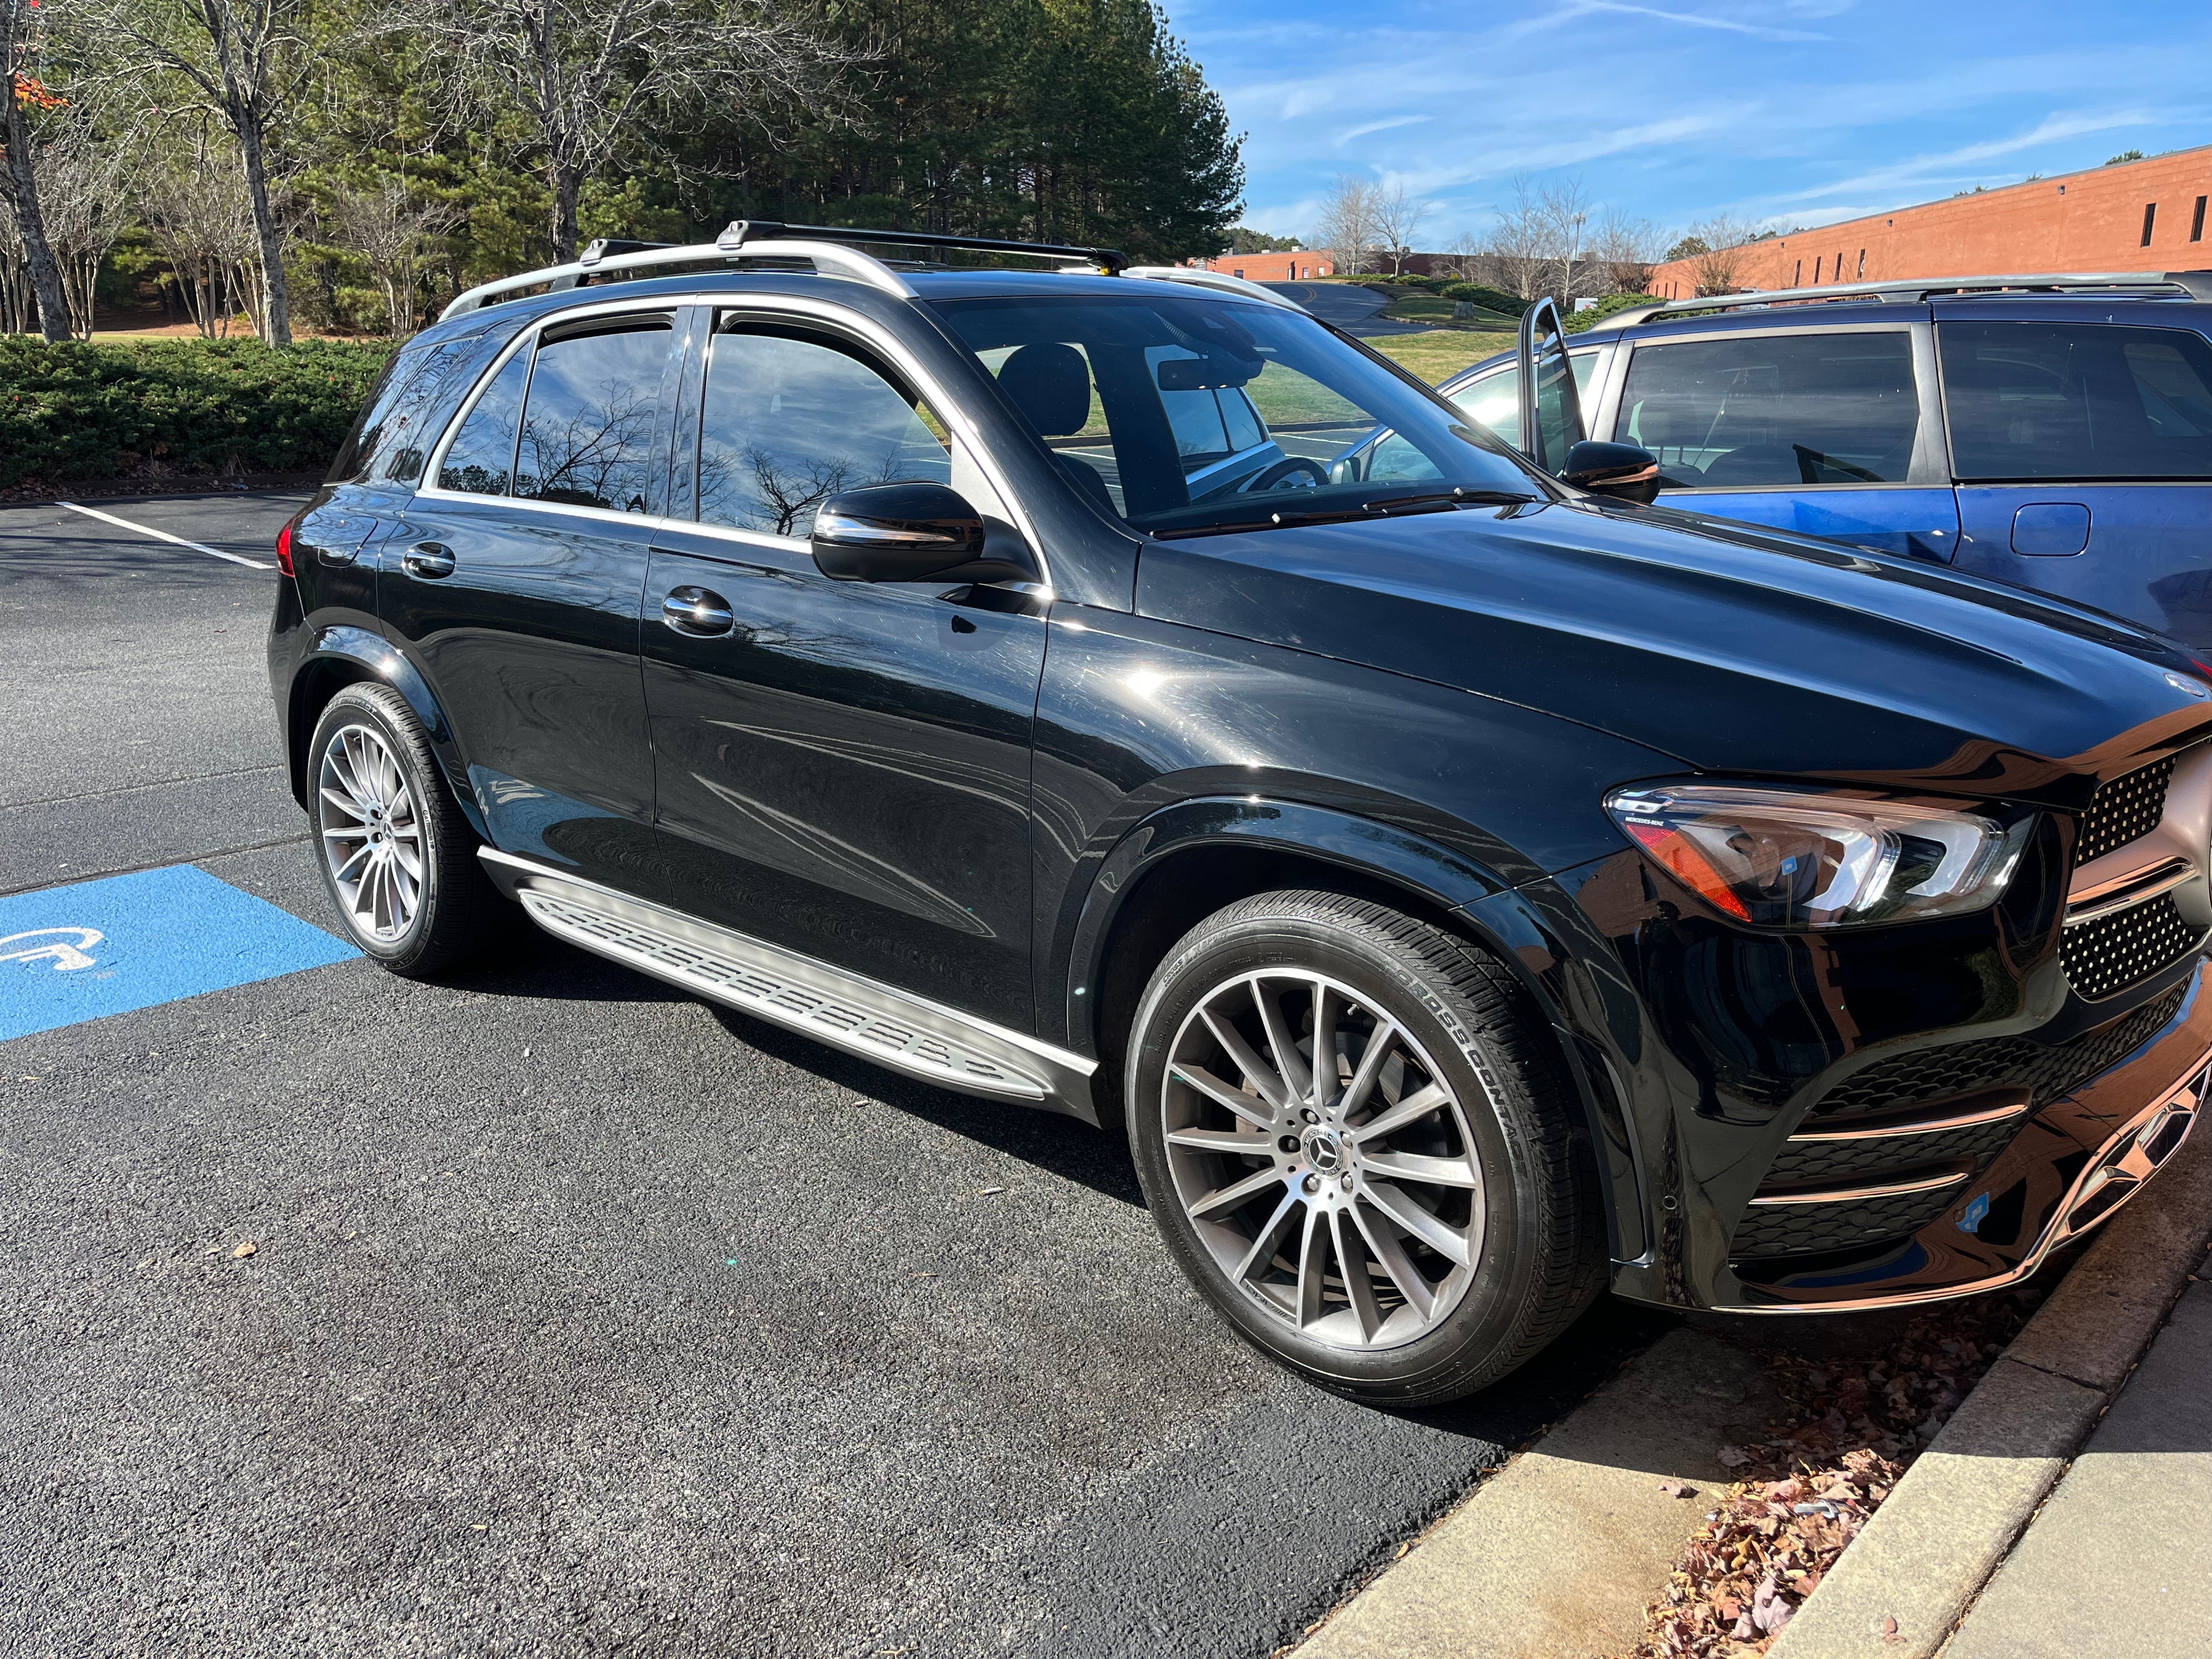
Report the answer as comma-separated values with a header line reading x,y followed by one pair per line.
x,y
846,769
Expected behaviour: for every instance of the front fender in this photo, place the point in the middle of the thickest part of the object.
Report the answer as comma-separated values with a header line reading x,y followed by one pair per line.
x,y
1527,928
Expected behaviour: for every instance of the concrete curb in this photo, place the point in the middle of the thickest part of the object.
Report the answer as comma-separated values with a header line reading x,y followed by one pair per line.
x,y
1905,1582
1557,1554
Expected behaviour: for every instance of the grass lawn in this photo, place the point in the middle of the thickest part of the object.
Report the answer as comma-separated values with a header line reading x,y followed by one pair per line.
x,y
1442,352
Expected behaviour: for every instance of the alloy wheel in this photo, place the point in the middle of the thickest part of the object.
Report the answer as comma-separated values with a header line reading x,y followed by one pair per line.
x,y
371,836
1322,1159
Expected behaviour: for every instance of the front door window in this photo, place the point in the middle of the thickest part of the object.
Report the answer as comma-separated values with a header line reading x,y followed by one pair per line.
x,y
1775,410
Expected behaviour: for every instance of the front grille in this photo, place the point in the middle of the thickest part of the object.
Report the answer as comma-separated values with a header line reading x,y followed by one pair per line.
x,y
2114,952
2047,1070
1796,1229
1808,1163
2123,810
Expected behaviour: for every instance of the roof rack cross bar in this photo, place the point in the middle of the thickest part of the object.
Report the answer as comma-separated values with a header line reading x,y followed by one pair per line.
x,y
742,233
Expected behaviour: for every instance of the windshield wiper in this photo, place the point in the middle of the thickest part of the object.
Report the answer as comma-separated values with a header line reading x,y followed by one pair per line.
x,y
1444,501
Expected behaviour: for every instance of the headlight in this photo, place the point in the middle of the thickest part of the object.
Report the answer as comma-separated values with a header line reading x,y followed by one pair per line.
x,y
1771,859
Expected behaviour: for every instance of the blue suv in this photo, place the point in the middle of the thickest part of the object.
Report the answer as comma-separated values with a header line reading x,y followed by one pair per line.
x,y
2052,433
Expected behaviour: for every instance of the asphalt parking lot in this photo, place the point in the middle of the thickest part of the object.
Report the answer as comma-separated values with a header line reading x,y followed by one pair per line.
x,y
579,1317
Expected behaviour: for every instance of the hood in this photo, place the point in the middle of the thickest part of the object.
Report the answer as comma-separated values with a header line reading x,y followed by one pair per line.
x,y
1733,649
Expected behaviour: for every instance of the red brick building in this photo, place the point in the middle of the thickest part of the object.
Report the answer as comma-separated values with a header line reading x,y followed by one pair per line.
x,y
1294,267
2135,216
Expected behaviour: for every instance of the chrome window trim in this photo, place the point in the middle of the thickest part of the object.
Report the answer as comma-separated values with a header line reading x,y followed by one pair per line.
x,y
873,335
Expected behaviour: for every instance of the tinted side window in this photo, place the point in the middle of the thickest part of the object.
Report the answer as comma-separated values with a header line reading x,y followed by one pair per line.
x,y
2072,400
480,461
587,431
1807,408
789,420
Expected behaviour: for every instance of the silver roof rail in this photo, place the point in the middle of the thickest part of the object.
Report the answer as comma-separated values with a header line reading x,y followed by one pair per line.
x,y
1221,281
830,258
2183,285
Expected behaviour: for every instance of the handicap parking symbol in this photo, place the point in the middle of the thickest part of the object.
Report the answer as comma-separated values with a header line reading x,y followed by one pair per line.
x,y
96,948
64,947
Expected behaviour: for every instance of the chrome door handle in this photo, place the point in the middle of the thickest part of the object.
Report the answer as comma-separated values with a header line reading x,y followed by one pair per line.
x,y
696,610
428,559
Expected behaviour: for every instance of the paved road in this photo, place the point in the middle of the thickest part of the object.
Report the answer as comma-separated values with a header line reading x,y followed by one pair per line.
x,y
581,1318
1347,305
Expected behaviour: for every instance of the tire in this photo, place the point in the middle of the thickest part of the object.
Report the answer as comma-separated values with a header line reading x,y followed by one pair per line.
x,y
409,888
1460,1175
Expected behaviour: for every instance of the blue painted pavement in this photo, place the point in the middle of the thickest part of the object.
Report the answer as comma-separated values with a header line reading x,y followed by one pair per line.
x,y
105,947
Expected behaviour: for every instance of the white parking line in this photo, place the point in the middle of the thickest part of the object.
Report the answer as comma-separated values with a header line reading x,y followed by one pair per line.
x,y
164,535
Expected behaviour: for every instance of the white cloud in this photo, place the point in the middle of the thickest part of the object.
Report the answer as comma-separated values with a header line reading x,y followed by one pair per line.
x,y
1382,126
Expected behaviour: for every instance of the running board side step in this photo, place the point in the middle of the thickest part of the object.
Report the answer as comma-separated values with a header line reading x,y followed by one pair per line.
x,y
863,1017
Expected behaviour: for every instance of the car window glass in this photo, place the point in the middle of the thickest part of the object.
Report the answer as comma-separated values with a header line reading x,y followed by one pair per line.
x,y
480,460
389,429
1182,413
2074,400
588,431
790,419
1494,399
1804,409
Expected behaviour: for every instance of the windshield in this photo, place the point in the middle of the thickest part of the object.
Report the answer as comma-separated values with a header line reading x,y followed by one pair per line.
x,y
1181,415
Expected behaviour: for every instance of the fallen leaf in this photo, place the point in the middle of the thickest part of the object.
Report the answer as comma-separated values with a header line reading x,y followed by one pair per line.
x,y
246,1247
1677,1489
1733,1457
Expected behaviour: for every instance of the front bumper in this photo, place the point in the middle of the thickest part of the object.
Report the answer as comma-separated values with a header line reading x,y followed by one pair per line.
x,y
2071,1165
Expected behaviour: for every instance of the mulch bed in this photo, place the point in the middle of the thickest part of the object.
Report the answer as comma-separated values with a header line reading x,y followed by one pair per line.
x,y
1856,1421
33,492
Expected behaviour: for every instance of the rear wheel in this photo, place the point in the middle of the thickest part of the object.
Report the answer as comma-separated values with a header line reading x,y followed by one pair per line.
x,y
1355,1136
397,857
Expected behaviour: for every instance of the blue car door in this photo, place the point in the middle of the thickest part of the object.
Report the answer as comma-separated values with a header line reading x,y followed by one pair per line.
x,y
2083,452
1831,431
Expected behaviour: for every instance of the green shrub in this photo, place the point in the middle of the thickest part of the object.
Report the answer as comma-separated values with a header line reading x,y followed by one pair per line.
x,y
116,410
1580,320
1490,299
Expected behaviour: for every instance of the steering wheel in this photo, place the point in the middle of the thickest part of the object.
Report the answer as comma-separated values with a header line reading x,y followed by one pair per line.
x,y
1286,469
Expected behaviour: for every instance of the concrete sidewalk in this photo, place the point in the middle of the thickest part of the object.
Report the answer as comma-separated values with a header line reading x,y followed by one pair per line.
x,y
2119,1559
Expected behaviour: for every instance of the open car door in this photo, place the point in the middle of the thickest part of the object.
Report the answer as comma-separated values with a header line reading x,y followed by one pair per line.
x,y
1551,413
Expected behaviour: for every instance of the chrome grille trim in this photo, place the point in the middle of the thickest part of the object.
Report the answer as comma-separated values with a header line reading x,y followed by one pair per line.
x,y
1866,1193
1931,1125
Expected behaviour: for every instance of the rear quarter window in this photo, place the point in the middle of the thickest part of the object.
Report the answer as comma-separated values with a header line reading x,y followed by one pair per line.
x,y
394,433
2076,400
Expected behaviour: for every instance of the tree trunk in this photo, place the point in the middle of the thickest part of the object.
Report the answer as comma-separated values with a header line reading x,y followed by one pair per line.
x,y
564,182
276,311
30,223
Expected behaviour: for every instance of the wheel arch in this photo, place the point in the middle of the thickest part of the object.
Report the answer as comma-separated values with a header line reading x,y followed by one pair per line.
x,y
1189,860
343,656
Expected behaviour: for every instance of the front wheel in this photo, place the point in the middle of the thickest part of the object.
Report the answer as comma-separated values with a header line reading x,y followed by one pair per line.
x,y
1355,1137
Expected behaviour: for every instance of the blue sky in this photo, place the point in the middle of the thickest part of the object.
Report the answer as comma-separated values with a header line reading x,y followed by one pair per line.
x,y
1782,111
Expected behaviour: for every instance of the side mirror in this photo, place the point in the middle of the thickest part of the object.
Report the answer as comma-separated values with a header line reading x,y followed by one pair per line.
x,y
1620,470
914,533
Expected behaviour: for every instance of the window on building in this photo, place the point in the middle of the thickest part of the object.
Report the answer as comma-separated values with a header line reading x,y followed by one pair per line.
x,y
1862,262
1798,279
2030,400
2150,218
2196,222
1816,270
1839,267
1838,408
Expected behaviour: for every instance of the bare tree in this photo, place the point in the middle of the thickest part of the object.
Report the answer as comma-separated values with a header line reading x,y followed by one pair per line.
x,y
244,62
1522,239
582,72
82,187
197,210
1349,224
1722,262
1397,221
1625,248
1564,214
22,98
388,229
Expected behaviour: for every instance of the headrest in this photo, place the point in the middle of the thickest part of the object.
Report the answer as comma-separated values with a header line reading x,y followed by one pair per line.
x,y
1050,384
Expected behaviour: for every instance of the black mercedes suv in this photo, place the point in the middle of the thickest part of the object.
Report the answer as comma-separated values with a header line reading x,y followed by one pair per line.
x,y
1471,891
